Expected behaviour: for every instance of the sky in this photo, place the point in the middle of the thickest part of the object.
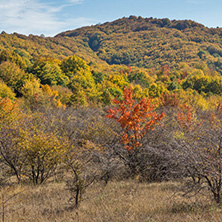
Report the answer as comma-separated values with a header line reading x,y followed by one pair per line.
x,y
51,17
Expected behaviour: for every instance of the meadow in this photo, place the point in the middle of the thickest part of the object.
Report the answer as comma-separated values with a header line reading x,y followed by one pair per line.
x,y
117,201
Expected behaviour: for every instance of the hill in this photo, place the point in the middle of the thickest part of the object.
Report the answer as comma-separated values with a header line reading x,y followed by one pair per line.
x,y
144,42
134,41
153,56
33,46
150,42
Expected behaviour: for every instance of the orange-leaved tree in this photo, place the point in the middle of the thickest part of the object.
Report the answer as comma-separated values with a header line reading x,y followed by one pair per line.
x,y
135,118
185,117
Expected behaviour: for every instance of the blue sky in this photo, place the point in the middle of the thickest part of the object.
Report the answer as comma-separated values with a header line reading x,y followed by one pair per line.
x,y
50,17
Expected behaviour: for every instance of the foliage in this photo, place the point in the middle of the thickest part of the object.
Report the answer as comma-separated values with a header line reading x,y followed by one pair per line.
x,y
140,78
13,58
150,42
202,154
42,151
26,146
73,65
54,93
142,42
12,75
202,83
31,87
49,72
5,91
10,152
135,118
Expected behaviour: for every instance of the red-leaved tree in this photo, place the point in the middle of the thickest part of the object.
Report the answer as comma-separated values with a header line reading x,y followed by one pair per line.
x,y
135,118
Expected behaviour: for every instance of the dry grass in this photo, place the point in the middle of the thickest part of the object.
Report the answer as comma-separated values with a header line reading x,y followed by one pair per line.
x,y
119,201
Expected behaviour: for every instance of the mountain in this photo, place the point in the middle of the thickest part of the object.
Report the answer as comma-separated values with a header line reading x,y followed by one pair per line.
x,y
33,46
150,42
93,64
137,41
134,41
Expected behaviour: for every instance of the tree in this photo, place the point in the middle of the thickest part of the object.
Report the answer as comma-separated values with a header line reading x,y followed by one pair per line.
x,y
81,80
73,65
78,162
29,145
201,156
31,91
10,152
118,80
42,152
135,120
49,72
12,75
5,91
193,144
13,58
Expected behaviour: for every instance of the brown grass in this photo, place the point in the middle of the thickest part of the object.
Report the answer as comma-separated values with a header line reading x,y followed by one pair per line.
x,y
118,201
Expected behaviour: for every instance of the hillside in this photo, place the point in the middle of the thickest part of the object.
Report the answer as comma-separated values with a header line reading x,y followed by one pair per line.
x,y
135,41
95,63
33,46
152,42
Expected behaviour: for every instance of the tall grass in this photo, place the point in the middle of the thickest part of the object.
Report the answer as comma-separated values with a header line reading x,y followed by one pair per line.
x,y
126,201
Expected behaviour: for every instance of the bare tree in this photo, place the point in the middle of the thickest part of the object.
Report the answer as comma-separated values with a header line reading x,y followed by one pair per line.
x,y
195,149
10,154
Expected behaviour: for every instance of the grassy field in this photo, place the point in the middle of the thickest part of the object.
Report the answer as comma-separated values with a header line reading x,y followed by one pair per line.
x,y
118,201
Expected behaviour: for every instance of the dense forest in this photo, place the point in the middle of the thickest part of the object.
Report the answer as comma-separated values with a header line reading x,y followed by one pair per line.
x,y
134,41
155,55
137,98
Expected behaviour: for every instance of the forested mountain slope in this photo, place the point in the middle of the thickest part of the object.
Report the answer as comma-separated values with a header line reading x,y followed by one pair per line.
x,y
94,64
152,42
137,41
33,46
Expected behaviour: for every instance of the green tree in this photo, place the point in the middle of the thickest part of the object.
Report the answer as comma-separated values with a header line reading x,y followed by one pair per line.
x,y
49,72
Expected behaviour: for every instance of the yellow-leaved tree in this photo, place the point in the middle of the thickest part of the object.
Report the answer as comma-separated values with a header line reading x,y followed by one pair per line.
x,y
42,153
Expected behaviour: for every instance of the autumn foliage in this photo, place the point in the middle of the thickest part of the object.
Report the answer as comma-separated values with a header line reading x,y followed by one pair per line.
x,y
169,100
185,117
135,118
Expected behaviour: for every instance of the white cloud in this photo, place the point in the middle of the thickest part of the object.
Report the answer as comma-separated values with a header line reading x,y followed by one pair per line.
x,y
35,17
